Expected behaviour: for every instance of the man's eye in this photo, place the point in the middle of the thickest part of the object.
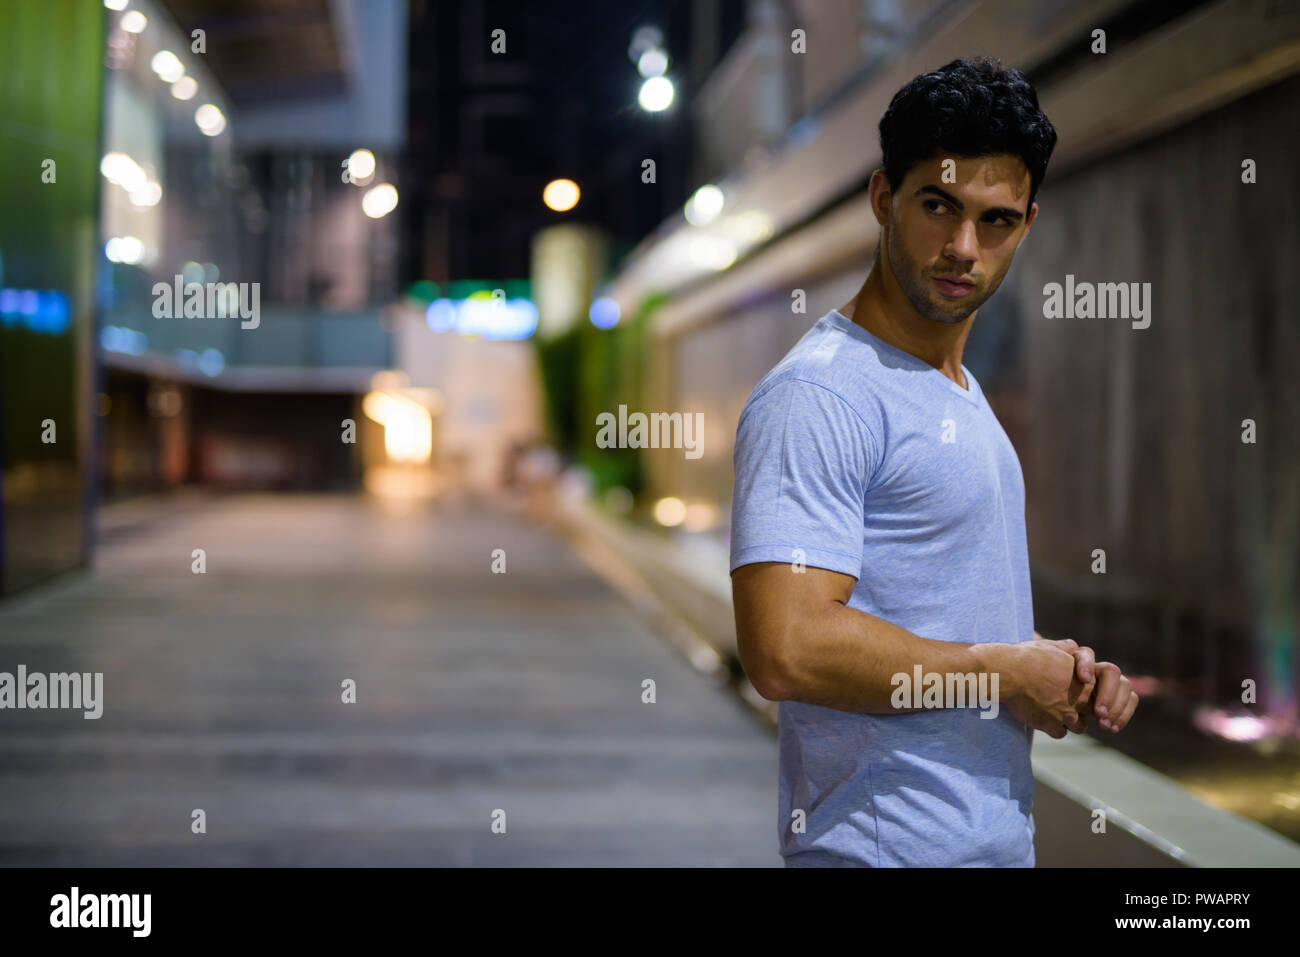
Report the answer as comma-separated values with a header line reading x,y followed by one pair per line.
x,y
934,206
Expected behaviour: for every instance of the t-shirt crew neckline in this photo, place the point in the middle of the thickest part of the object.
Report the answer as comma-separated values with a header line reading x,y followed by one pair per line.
x,y
845,324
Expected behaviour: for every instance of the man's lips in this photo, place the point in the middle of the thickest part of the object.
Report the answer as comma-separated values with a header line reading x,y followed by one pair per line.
x,y
954,287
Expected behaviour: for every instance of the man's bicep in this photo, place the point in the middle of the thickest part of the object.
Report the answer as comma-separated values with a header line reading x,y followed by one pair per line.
x,y
773,601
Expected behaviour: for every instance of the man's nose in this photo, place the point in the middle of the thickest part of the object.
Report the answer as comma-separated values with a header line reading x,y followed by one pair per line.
x,y
963,244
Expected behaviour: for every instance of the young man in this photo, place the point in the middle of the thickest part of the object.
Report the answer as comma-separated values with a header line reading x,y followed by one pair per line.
x,y
878,532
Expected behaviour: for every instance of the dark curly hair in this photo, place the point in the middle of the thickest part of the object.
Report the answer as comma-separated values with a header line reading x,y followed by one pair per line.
x,y
973,107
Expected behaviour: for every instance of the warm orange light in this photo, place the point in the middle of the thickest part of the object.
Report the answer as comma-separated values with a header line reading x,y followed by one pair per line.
x,y
561,195
408,426
670,511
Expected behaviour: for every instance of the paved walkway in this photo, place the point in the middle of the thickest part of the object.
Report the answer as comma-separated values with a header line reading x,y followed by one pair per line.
x,y
474,692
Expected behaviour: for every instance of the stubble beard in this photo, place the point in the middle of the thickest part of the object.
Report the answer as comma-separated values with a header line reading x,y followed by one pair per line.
x,y
919,291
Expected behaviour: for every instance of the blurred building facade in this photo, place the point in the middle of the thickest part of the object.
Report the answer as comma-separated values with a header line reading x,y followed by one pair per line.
x,y
226,149
264,202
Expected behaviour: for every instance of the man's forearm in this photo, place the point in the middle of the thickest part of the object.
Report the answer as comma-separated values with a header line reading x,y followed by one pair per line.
x,y
847,659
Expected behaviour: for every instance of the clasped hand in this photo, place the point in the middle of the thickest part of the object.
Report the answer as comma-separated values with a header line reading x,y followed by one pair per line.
x,y
1097,689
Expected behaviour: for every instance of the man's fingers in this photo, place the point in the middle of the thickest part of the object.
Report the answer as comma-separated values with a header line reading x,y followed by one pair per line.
x,y
1044,722
1084,664
1104,702
1127,713
1085,670
1035,718
1080,695
1114,695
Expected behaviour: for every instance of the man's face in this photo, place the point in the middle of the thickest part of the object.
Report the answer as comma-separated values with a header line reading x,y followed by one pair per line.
x,y
950,244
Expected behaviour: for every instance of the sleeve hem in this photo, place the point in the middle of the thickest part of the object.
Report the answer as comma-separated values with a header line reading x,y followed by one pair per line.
x,y
828,558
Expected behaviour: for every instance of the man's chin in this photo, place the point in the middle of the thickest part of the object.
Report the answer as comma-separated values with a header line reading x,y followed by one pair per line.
x,y
944,313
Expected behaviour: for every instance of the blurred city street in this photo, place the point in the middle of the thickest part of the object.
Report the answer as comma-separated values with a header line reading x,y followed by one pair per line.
x,y
475,691
391,389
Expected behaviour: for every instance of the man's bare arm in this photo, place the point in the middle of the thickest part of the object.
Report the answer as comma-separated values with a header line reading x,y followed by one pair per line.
x,y
798,640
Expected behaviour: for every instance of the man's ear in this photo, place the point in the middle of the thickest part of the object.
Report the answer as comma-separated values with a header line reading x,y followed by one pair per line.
x,y
881,194
1029,219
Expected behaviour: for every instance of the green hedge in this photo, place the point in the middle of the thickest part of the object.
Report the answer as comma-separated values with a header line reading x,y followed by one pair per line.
x,y
586,371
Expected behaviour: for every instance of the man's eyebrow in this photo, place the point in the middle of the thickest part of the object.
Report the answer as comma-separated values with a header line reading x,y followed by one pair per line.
x,y
1005,211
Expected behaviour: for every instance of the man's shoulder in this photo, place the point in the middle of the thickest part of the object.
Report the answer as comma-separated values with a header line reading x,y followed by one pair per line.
x,y
825,365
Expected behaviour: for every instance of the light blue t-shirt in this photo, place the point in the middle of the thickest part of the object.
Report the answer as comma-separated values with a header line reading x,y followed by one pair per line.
x,y
855,456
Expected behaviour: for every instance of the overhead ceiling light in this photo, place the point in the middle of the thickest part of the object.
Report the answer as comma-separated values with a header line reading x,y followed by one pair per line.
x,y
185,88
167,66
361,166
652,63
120,169
656,94
561,195
704,205
209,119
133,21
645,38
147,195
379,200
124,249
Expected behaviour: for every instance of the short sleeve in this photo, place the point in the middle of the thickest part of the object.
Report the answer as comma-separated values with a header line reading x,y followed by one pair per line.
x,y
803,459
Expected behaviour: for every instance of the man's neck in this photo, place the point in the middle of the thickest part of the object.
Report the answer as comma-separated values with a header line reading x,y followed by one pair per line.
x,y
939,344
